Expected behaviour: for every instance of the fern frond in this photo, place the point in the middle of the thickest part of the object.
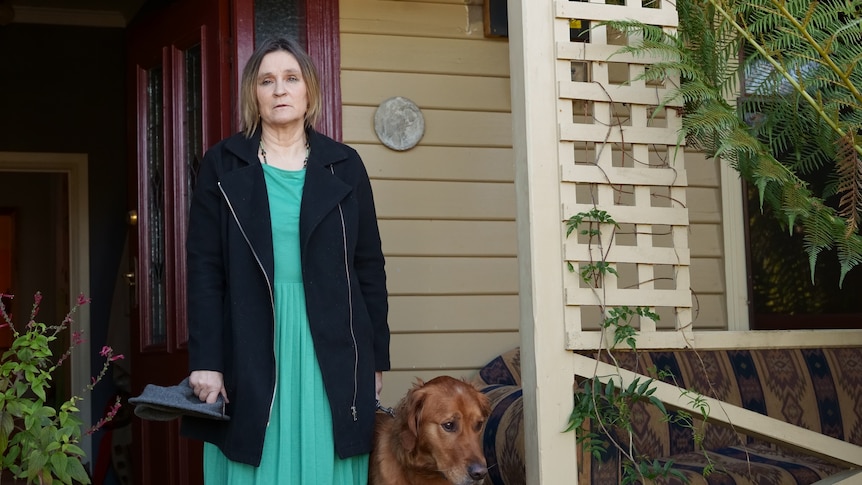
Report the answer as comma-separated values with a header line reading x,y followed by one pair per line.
x,y
849,186
737,143
849,254
803,96
795,203
821,232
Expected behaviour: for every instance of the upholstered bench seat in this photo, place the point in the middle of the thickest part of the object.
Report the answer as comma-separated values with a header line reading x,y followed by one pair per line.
x,y
819,389
738,465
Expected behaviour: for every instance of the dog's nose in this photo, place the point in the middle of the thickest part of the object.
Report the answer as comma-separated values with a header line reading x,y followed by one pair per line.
x,y
477,471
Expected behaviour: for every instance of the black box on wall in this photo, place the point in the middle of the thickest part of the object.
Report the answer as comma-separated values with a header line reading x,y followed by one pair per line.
x,y
496,18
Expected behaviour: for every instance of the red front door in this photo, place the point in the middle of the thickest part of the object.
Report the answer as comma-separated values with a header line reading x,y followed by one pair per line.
x,y
180,103
184,59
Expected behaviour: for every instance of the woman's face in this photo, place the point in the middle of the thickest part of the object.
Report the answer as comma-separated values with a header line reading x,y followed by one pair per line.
x,y
282,95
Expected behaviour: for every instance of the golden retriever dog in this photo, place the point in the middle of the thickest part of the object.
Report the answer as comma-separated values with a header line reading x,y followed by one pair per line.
x,y
434,437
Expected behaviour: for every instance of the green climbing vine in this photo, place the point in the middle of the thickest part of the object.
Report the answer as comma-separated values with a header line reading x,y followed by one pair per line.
x,y
602,414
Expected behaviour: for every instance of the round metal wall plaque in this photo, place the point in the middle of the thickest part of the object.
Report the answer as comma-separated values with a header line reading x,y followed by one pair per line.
x,y
399,123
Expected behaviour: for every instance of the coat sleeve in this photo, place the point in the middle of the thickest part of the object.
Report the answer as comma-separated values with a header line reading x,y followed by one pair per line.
x,y
206,271
369,264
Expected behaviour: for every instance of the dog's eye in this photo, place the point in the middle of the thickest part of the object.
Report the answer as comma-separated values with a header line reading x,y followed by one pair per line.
x,y
450,426
479,425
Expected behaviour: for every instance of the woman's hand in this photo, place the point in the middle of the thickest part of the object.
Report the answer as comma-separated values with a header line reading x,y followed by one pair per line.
x,y
378,384
207,385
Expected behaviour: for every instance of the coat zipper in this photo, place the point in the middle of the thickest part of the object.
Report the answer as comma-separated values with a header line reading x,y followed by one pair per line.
x,y
350,306
268,285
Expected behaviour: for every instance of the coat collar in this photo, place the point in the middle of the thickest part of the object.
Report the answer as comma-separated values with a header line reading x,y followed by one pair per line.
x,y
245,188
324,150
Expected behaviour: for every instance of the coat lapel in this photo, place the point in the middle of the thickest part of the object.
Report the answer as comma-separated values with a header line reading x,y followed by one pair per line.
x,y
245,189
323,190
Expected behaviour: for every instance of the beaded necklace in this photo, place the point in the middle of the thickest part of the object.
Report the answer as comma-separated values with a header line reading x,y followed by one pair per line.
x,y
304,162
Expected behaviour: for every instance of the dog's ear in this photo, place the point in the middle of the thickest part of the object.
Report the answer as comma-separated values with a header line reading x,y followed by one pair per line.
x,y
413,417
484,403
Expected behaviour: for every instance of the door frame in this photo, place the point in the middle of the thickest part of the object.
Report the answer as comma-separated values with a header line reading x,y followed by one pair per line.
x,y
323,43
74,166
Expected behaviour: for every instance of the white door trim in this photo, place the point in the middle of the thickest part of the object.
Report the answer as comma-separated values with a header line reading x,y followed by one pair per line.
x,y
74,165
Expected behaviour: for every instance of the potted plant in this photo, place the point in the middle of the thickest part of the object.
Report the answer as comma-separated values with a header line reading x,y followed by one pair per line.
x,y
39,443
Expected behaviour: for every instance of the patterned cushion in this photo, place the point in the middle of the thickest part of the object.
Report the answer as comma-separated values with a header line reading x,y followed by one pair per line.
x,y
818,389
755,464
500,379
813,388
504,436
504,370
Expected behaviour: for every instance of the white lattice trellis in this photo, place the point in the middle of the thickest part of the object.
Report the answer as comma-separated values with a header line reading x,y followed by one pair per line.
x,y
618,153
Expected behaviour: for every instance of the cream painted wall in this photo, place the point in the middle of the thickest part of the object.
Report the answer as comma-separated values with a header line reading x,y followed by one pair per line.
x,y
446,207
706,239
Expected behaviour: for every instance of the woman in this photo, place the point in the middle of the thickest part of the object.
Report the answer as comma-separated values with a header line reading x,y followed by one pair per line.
x,y
287,289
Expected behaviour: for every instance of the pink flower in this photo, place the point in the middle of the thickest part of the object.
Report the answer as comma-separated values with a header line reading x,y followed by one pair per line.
x,y
83,300
106,351
116,357
111,414
116,407
77,337
37,299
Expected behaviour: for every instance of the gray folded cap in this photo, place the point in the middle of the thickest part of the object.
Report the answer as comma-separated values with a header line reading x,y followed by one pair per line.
x,y
158,403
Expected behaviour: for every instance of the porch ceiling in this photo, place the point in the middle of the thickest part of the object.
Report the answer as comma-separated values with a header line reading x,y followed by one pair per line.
x,y
99,13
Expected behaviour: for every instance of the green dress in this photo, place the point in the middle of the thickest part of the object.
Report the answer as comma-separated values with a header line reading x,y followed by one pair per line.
x,y
298,448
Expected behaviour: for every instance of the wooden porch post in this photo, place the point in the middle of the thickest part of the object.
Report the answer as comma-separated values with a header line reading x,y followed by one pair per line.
x,y
547,369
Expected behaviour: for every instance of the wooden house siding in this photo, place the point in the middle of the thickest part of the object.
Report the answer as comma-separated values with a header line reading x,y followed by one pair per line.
x,y
706,242
446,208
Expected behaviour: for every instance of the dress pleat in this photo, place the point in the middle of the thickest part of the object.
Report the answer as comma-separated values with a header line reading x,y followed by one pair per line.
x,y
298,447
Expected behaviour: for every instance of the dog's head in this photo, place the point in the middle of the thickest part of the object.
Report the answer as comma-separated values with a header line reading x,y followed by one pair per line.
x,y
445,418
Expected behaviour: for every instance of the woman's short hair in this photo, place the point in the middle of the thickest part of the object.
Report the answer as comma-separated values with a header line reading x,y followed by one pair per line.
x,y
248,105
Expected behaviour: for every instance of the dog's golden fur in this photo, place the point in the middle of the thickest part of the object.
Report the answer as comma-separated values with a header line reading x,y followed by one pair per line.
x,y
435,437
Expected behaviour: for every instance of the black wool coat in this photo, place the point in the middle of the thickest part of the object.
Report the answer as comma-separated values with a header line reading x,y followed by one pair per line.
x,y
230,266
